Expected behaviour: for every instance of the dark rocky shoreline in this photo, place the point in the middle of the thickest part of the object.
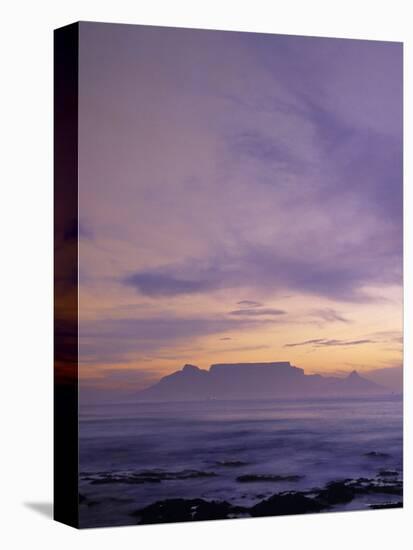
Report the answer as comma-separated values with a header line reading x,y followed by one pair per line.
x,y
333,495
285,503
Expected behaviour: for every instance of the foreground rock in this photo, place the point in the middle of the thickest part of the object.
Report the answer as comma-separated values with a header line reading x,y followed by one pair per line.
x,y
285,504
337,492
335,495
386,505
178,509
383,486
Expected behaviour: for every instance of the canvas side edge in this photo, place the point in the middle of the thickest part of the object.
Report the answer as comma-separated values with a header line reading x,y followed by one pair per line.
x,y
66,246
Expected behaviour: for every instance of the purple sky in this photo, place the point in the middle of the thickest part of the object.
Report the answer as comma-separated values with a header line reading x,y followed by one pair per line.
x,y
240,194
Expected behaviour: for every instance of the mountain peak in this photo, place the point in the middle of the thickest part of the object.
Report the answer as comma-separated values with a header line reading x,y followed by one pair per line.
x,y
190,368
353,375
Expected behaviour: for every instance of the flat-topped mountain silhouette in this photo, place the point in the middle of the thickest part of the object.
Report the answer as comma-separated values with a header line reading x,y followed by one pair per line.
x,y
254,381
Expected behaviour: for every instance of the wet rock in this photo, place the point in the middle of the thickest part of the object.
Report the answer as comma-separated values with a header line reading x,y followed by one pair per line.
x,y
249,478
178,509
386,505
287,504
377,486
337,492
393,489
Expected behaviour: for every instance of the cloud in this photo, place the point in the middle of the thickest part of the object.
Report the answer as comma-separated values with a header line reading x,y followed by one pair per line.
x,y
327,221
164,284
285,177
389,336
253,312
329,315
249,303
249,348
324,342
265,269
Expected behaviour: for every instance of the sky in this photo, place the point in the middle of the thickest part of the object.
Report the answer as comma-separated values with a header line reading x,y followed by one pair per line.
x,y
240,200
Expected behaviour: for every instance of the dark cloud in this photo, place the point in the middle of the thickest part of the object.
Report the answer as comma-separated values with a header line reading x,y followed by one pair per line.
x,y
341,275
253,312
324,342
164,284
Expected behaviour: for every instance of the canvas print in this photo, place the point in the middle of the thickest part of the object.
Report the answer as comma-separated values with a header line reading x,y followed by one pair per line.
x,y
235,218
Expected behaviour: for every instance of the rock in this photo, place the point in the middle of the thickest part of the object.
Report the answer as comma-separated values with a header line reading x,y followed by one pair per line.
x,y
287,504
380,486
386,505
337,492
249,478
178,509
391,489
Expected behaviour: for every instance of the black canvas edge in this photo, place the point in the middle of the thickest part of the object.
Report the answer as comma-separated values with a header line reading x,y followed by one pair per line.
x,y
66,233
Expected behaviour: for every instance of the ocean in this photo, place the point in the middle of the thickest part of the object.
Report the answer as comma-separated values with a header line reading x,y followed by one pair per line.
x,y
135,454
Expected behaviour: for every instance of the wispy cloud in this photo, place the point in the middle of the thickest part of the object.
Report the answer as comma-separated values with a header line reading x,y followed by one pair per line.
x,y
324,342
164,284
258,312
329,315
249,303
249,348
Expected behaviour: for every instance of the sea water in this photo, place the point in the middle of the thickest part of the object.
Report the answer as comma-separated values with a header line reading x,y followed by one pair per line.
x,y
319,440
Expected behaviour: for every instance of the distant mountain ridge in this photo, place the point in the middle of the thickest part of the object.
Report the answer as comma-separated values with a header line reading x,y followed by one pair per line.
x,y
254,381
